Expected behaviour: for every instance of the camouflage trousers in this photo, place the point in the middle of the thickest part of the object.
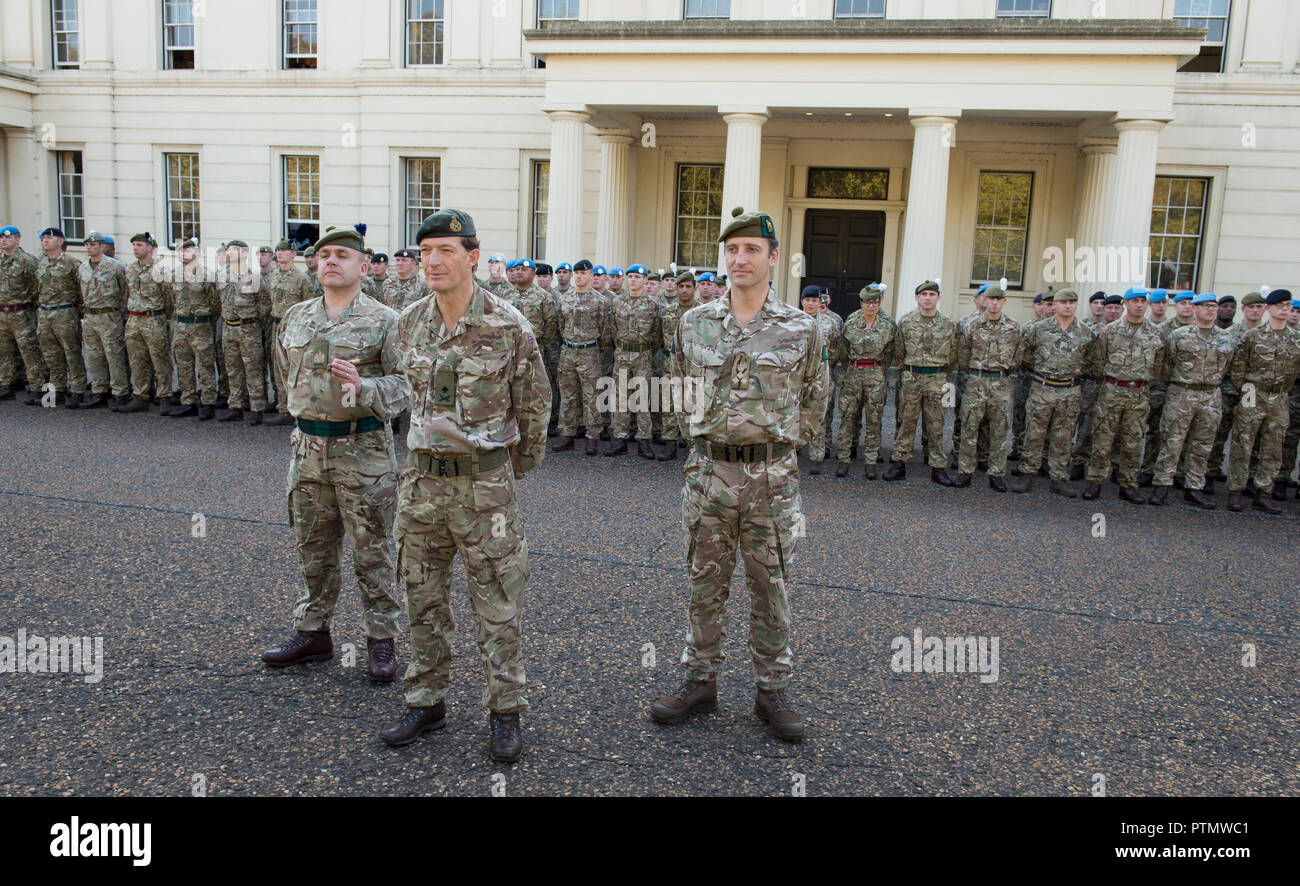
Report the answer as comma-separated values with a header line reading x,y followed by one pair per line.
x,y
1051,414
1267,420
551,359
338,486
18,337
106,354
1020,407
629,366
1188,424
1083,432
1291,442
149,354
243,346
921,395
579,371
754,508
607,371
194,354
218,345
1120,412
479,517
1151,450
988,402
862,390
822,433
281,393
898,408
675,418
1220,447
958,380
59,333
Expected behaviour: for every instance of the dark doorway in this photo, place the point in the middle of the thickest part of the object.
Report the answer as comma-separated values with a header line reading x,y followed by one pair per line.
x,y
843,250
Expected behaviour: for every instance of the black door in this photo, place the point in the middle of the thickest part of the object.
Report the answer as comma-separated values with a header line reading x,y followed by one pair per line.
x,y
843,250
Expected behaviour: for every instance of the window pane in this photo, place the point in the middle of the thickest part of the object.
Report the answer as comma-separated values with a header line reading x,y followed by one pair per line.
x,y
1177,220
423,183
302,200
699,214
849,184
708,8
424,32
1001,227
71,204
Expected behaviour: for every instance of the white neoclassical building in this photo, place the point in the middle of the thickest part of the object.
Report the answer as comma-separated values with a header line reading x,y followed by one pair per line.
x,y
1051,142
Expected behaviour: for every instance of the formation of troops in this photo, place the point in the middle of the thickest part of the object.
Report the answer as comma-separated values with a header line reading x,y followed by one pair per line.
x,y
488,369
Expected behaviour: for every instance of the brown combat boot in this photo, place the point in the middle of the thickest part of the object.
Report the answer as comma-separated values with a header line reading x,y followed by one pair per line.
x,y
691,696
414,723
382,667
1091,491
1023,483
643,449
1262,503
507,742
1234,501
897,471
1160,495
1063,489
303,646
1200,499
775,709
842,469
561,444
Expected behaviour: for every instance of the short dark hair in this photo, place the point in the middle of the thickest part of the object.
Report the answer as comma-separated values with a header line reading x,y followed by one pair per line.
x,y
469,243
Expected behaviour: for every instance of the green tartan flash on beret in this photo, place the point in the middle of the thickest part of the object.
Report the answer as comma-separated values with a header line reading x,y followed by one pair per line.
x,y
447,223
336,236
748,224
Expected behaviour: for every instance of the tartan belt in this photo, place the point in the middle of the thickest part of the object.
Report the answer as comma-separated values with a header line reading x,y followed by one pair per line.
x,y
339,428
925,370
465,466
989,373
1202,387
243,321
197,319
1110,380
1053,382
66,304
581,344
747,454
13,309
147,313
634,348
863,364
1270,389
96,311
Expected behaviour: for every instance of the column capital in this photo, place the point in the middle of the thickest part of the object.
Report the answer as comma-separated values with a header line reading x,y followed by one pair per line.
x,y
1099,146
948,115
614,136
567,112
1140,124
744,113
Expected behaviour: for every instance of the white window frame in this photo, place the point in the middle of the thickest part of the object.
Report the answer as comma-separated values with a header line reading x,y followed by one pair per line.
x,y
677,215
170,28
441,44
404,182
283,158
286,24
868,14
703,16
61,182
71,34
172,234
998,11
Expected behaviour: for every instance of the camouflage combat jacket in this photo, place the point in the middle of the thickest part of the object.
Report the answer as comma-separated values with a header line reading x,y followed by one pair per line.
x,y
145,286
398,293
18,283
584,317
104,285
1058,353
863,342
1196,356
1129,351
287,288
634,321
989,345
926,341
56,280
1269,359
538,309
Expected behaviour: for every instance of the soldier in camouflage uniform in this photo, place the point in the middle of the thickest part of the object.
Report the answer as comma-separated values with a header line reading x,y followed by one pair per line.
x,y
1291,442
103,298
340,357
536,304
497,284
1128,356
926,353
19,292
1252,317
1045,311
1056,353
1263,369
545,281
407,286
868,349
959,381
764,388
1157,304
287,287
674,407
1089,388
637,333
584,329
198,307
988,353
814,305
148,347
244,309
1196,358
58,326
600,285
309,256
551,352
480,405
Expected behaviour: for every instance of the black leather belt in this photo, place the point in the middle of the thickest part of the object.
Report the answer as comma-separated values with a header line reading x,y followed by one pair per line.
x,y
989,373
581,344
196,319
925,370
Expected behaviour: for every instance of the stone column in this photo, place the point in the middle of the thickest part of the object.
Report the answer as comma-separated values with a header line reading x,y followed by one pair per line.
x,y
1129,217
740,175
564,202
927,206
613,224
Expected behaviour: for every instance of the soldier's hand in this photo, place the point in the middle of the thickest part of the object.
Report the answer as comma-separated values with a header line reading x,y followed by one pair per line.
x,y
345,372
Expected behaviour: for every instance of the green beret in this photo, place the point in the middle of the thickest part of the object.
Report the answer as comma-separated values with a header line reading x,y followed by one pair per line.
x,y
932,285
284,244
1048,297
995,292
146,237
240,243
748,224
1067,295
447,223
685,277
1253,298
870,292
336,236
309,252
265,249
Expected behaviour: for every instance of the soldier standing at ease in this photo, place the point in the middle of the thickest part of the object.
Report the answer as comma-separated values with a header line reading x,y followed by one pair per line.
x,y
59,325
1252,317
243,303
1044,312
287,286
148,349
1263,369
867,350
959,381
198,307
407,286
309,257
480,404
497,284
925,355
675,416
536,304
635,329
1057,353
1100,307
989,353
584,328
1157,305
103,297
1291,442
811,302
1196,359
19,293
1128,356
764,387
340,357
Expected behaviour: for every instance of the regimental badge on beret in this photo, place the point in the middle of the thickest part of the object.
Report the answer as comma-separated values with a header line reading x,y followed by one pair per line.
x,y
454,225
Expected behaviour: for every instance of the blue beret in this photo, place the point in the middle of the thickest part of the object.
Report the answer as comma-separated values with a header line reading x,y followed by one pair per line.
x,y
811,292
1136,292
564,266
711,277
638,269
1158,295
616,272
1038,298
9,229
512,264
1295,303
109,240
496,256
525,263
1205,298
980,291
599,269
1185,295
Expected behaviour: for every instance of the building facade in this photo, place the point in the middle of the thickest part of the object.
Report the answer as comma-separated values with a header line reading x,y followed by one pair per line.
x,y
1083,143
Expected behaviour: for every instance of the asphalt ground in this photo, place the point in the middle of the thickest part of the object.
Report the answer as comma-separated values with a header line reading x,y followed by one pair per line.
x,y
1120,655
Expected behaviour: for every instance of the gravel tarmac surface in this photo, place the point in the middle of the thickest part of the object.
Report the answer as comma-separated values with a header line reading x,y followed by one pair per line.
x,y
1119,655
